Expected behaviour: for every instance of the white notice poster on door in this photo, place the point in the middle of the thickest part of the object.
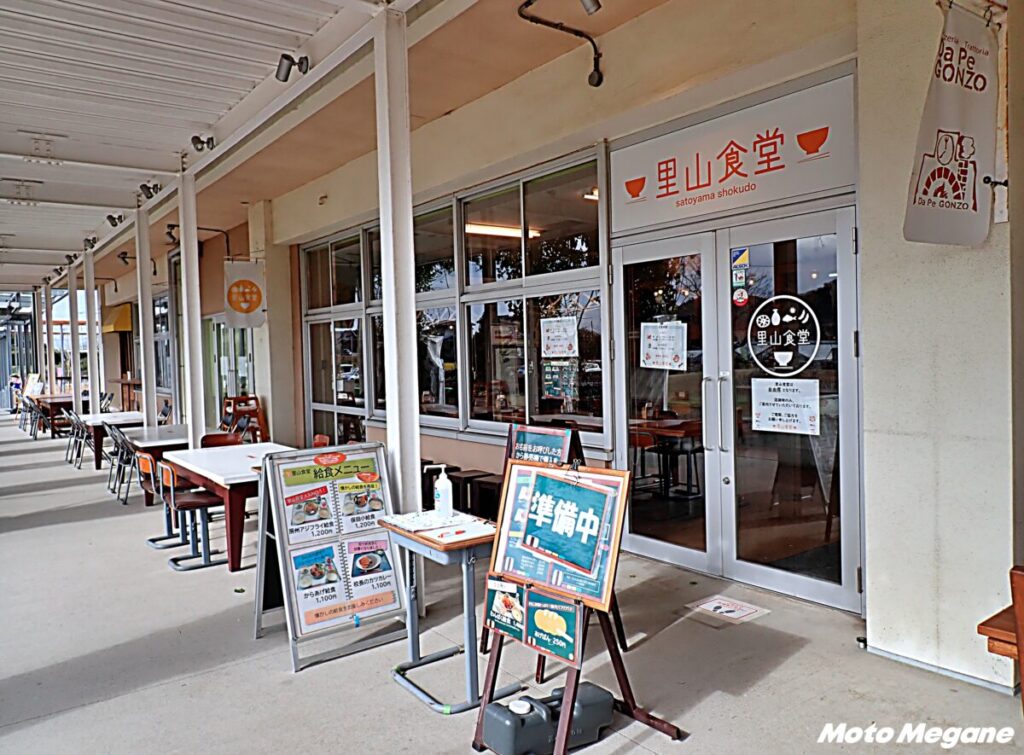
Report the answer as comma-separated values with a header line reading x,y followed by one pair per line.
x,y
663,345
786,406
948,203
558,338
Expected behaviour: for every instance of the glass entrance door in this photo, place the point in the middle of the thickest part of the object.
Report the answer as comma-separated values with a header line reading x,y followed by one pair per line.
x,y
738,403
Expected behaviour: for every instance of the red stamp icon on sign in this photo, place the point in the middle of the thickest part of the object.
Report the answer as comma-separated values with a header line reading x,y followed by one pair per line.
x,y
328,460
740,297
635,186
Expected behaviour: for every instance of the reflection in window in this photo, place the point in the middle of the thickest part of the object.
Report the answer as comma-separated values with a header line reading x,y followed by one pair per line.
x,y
437,359
348,363
376,276
496,361
435,251
565,360
377,326
493,237
320,363
561,211
323,424
318,278
346,282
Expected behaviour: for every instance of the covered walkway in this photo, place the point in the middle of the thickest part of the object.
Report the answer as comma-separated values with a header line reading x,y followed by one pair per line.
x,y
104,649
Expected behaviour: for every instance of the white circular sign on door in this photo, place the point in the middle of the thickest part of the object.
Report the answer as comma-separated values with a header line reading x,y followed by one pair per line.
x,y
783,335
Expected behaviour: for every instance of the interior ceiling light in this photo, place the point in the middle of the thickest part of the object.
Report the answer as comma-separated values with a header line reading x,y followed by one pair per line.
x,y
199,143
595,78
504,231
592,195
287,63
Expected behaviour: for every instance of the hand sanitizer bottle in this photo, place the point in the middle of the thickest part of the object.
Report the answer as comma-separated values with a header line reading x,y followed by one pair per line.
x,y
443,494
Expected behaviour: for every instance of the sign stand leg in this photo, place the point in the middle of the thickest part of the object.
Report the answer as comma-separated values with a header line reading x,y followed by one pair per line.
x,y
627,706
261,555
572,685
490,680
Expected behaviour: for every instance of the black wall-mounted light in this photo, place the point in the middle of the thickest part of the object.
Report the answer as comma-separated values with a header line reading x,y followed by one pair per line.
x,y
199,143
287,63
115,220
89,242
150,190
124,257
172,227
596,77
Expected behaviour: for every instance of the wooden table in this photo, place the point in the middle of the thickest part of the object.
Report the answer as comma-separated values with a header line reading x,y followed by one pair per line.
x,y
50,404
95,424
464,554
229,472
156,441
669,429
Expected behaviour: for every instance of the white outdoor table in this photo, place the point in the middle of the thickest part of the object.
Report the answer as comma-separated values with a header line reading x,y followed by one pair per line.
x,y
95,423
228,471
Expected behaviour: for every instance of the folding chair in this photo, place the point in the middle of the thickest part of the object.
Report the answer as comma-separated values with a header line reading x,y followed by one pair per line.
x,y
189,505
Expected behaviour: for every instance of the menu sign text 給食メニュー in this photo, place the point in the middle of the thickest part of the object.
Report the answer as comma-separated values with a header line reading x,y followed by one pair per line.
x,y
338,564
541,620
560,529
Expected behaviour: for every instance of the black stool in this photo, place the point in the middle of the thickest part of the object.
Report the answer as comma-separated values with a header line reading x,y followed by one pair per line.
x,y
461,481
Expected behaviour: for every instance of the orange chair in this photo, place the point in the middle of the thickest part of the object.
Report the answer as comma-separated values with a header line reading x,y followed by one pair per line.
x,y
145,465
186,505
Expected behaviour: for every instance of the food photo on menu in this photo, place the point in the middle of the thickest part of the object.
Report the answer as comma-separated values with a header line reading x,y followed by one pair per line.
x,y
368,557
310,515
316,568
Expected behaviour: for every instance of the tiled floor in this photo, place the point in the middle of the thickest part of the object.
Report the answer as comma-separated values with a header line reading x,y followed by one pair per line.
x,y
103,649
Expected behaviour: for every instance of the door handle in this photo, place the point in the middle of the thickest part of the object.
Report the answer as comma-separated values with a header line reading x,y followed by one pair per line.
x,y
704,414
721,413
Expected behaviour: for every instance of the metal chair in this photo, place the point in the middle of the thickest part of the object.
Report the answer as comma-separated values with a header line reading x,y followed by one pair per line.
x,y
122,464
165,414
242,425
226,420
73,451
189,505
106,399
146,467
25,415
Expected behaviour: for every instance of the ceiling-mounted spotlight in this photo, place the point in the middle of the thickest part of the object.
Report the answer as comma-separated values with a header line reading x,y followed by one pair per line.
x,y
150,190
115,220
596,77
170,233
89,242
70,259
46,280
287,62
199,143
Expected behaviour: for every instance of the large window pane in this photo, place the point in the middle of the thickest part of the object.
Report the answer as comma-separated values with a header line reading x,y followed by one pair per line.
x,y
435,251
379,399
347,282
318,277
323,424
351,428
561,213
493,237
565,360
348,363
320,363
437,359
496,361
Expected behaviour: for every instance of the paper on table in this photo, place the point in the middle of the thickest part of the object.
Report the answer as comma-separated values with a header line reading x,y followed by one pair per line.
x,y
462,532
417,521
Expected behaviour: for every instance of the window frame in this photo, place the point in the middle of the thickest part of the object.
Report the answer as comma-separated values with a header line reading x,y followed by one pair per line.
x,y
461,296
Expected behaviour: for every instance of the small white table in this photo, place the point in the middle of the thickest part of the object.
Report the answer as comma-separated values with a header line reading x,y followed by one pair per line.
x,y
96,421
231,473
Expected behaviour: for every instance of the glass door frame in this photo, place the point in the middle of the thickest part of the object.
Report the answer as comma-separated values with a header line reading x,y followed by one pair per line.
x,y
831,215
841,222
702,244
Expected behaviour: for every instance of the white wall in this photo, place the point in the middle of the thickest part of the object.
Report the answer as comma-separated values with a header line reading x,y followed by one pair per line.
x,y
936,381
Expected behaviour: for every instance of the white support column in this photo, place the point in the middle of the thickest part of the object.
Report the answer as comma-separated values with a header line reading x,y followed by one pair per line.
x,y
100,357
394,175
95,388
192,314
273,349
73,350
147,346
38,315
51,360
